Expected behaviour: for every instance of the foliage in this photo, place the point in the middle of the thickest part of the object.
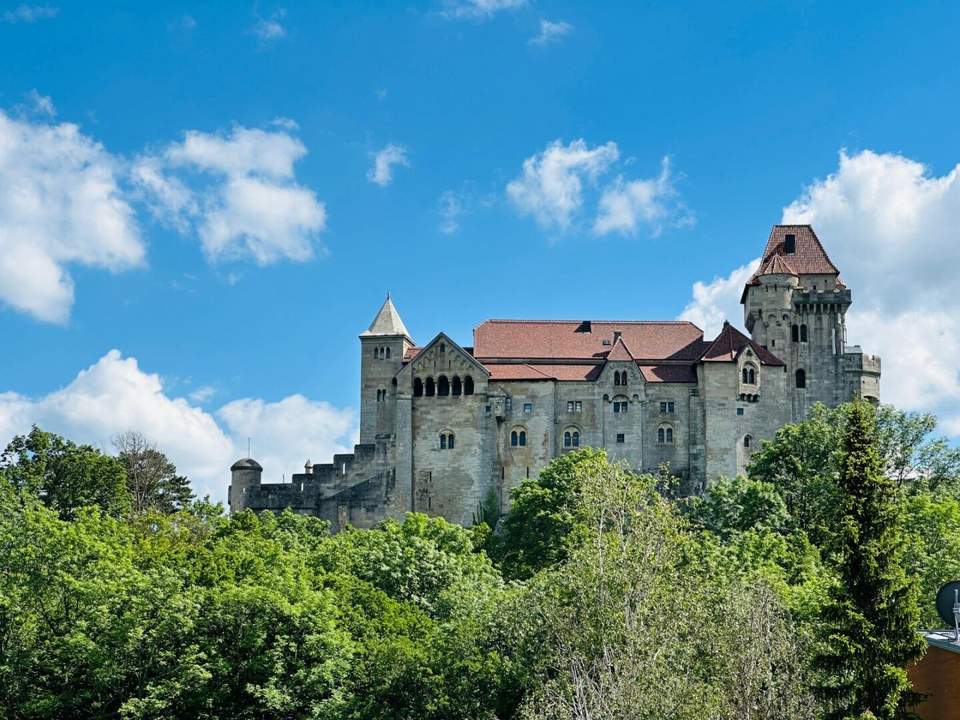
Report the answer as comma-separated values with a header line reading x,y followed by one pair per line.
x,y
63,475
869,624
152,480
626,627
543,518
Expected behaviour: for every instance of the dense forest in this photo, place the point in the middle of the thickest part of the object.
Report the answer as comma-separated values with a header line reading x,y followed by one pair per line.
x,y
796,591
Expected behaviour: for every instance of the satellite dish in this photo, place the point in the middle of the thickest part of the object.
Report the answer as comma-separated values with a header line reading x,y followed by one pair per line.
x,y
946,597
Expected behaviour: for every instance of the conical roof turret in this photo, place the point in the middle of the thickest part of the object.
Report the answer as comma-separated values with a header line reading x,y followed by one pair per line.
x,y
387,322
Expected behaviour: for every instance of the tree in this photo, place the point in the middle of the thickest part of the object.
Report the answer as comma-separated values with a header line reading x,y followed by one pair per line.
x,y
628,627
63,475
869,623
544,514
151,478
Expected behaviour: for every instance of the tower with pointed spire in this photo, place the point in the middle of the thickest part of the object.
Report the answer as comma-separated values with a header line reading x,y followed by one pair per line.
x,y
383,346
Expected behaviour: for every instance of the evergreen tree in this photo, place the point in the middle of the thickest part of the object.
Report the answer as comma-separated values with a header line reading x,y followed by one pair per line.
x,y
869,624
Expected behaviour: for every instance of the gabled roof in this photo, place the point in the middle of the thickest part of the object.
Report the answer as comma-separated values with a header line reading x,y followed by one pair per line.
x,y
669,373
731,342
584,340
387,322
776,265
442,336
620,352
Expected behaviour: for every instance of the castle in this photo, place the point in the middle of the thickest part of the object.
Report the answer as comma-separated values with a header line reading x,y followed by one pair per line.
x,y
444,428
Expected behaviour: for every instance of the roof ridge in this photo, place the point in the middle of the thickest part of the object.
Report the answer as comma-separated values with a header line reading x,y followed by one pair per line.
x,y
605,322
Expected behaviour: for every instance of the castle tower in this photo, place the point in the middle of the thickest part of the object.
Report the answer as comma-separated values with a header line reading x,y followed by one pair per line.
x,y
795,305
244,475
382,348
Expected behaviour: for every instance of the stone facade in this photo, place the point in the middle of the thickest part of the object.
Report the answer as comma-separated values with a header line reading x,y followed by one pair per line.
x,y
445,428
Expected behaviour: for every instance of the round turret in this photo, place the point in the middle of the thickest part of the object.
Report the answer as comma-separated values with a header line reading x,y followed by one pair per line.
x,y
244,474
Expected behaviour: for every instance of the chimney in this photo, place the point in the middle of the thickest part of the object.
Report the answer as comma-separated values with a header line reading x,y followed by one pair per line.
x,y
616,336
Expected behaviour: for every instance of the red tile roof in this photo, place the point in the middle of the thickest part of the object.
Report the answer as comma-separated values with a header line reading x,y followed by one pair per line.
x,y
776,265
523,371
809,258
573,340
620,352
730,342
411,353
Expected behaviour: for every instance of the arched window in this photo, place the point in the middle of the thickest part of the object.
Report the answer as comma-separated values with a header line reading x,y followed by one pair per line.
x,y
446,441
623,377
749,374
443,441
567,439
417,387
514,438
450,441
616,377
431,388
388,353
443,386
571,438
747,441
523,438
457,385
801,378
795,333
803,333
665,435
518,438
468,385
576,439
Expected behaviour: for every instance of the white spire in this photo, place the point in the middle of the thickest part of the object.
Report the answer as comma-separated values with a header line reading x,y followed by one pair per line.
x,y
387,322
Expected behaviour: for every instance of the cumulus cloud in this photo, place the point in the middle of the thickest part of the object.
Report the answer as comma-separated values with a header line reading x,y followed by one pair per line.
x,y
551,32
888,223
384,161
550,188
115,394
653,202
42,104
478,9
718,300
29,13
248,205
62,204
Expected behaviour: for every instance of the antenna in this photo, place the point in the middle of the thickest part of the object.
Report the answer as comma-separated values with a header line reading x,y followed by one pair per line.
x,y
248,447
948,607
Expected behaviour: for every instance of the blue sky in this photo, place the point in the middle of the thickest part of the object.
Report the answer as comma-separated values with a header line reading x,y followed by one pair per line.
x,y
551,159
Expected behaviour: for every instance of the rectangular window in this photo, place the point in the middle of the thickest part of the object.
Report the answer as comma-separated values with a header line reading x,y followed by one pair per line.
x,y
620,438
620,406
527,408
578,406
508,404
569,405
666,407
739,411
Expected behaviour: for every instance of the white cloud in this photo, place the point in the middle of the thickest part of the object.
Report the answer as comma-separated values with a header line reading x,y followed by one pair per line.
x,y
550,187
271,28
551,32
450,210
652,202
384,161
718,300
202,394
478,9
114,395
285,434
29,13
42,104
251,205
888,223
61,204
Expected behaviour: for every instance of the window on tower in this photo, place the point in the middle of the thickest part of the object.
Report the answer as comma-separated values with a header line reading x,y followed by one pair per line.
x,y
803,333
790,244
795,333
801,376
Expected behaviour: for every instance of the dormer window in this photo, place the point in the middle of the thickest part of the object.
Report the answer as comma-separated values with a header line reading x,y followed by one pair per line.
x,y
790,244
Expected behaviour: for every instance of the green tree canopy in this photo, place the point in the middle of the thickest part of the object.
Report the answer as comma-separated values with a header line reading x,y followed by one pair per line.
x,y
152,480
63,475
